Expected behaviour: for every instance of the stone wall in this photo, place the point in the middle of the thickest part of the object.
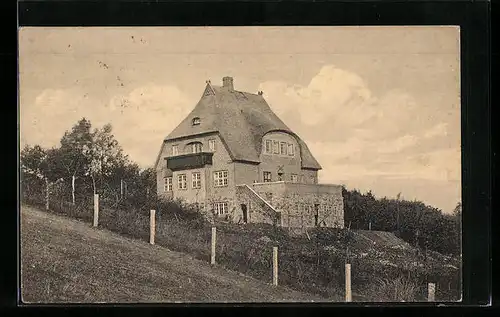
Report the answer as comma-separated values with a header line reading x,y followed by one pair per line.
x,y
258,210
298,203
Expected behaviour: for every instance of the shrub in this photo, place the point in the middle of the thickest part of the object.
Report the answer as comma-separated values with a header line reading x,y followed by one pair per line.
x,y
400,289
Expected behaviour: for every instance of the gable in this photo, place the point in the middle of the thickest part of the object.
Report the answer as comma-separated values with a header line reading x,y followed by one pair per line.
x,y
208,90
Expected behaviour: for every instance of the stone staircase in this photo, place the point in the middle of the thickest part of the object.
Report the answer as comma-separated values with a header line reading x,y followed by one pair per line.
x,y
260,210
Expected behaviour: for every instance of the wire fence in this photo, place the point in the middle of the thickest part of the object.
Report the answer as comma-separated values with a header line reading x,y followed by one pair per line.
x,y
313,263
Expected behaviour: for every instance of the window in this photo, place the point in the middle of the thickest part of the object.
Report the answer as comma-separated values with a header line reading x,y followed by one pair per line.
x,y
294,178
220,178
196,180
175,150
279,147
267,177
283,148
182,181
220,208
276,147
168,184
327,208
196,121
197,147
268,147
211,145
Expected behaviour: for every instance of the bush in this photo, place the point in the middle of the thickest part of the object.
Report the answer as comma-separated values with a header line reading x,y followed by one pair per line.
x,y
393,290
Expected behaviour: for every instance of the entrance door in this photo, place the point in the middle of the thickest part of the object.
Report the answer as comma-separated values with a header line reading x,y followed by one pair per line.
x,y
245,213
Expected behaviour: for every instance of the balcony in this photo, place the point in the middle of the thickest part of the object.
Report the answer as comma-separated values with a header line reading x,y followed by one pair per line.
x,y
189,161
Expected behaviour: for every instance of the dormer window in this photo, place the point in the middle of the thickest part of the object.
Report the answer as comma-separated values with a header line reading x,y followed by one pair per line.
x,y
281,148
196,121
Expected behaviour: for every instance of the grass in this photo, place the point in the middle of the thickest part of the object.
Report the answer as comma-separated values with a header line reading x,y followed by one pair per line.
x,y
400,289
66,261
313,266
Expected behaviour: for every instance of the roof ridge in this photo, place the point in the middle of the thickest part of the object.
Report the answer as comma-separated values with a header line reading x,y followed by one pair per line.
x,y
240,91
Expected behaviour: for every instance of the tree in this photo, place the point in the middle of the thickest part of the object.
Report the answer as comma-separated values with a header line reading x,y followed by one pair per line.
x,y
457,212
33,166
38,171
89,154
104,155
148,180
33,161
72,156
457,217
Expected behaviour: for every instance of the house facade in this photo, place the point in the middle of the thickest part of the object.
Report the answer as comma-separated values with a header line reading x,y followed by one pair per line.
x,y
234,157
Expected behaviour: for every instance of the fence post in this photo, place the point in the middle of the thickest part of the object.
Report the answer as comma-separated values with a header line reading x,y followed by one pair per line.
x,y
152,220
96,209
47,194
431,292
348,294
73,189
212,259
275,266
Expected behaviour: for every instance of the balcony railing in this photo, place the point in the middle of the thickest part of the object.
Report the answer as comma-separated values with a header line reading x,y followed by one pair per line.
x,y
189,161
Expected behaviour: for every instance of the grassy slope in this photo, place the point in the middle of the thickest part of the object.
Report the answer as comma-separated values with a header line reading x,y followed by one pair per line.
x,y
65,260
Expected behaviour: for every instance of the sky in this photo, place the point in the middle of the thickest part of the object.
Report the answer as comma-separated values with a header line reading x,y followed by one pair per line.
x,y
379,107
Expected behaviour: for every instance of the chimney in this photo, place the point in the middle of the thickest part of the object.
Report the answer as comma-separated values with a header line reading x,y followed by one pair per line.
x,y
227,82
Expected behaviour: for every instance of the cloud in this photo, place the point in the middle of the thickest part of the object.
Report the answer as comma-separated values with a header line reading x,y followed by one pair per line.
x,y
441,129
141,118
52,112
331,91
363,139
144,116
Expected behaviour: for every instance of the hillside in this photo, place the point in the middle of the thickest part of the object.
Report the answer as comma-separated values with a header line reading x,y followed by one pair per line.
x,y
65,260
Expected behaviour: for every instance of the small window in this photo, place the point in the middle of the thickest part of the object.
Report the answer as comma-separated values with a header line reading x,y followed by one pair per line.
x,y
268,147
175,150
267,177
211,145
196,121
196,180
220,178
168,184
182,181
294,178
276,147
290,149
220,208
283,148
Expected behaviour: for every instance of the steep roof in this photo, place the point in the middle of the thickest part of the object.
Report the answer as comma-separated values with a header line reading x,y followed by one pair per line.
x,y
241,119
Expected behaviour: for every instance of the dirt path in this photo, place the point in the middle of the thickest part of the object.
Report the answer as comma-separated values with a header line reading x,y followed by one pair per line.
x,y
64,260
